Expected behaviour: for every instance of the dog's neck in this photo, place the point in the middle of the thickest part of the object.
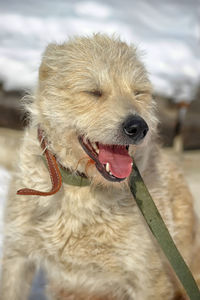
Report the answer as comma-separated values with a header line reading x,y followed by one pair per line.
x,y
57,172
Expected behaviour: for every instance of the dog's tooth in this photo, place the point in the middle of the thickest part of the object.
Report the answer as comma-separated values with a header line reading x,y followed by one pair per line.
x,y
107,167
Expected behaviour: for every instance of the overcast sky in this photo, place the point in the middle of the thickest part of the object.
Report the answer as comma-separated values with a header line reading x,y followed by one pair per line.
x,y
168,32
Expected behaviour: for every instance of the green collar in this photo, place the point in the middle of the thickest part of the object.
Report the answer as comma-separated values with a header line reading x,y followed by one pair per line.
x,y
70,178
73,178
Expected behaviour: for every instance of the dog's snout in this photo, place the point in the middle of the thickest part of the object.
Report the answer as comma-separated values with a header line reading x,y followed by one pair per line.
x,y
135,128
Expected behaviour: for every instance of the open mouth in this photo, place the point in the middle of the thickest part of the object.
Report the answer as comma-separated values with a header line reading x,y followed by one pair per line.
x,y
112,161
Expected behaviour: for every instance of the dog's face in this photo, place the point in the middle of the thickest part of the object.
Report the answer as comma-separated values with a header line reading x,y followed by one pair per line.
x,y
95,103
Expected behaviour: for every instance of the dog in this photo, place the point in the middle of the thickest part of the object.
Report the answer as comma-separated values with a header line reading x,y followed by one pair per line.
x,y
95,112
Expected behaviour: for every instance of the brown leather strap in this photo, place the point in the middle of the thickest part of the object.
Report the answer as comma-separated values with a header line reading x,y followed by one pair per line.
x,y
54,172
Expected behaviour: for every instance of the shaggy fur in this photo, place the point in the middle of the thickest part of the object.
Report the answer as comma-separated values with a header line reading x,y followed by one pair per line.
x,y
92,241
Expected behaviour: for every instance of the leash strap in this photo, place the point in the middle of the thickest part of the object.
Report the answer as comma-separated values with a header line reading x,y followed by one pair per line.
x,y
161,233
54,171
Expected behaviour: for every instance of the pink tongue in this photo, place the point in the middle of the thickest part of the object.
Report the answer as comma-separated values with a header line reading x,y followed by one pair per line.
x,y
118,158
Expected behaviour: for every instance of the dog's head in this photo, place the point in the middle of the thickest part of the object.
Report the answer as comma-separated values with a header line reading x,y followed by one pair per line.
x,y
94,103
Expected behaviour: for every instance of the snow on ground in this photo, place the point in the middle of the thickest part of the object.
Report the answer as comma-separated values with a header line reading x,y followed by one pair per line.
x,y
167,31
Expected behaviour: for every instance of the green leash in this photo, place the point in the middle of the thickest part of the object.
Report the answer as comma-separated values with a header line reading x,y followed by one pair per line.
x,y
161,233
154,221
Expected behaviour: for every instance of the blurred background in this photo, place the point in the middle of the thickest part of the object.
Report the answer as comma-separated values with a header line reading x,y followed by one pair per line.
x,y
167,34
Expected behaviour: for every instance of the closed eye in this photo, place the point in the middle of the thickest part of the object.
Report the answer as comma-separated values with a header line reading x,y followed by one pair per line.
x,y
138,93
95,93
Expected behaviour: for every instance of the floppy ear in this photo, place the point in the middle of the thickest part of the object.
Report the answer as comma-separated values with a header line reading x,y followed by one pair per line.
x,y
48,65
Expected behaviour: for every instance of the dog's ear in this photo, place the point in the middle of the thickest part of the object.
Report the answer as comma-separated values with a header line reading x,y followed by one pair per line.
x,y
49,63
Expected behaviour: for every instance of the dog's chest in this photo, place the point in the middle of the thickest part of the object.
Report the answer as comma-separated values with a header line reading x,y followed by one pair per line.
x,y
96,229
103,237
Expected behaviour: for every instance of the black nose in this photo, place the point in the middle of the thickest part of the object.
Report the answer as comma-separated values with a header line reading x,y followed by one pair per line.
x,y
135,128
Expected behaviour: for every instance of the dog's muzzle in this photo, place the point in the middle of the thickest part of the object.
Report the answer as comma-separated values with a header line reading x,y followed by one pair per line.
x,y
135,128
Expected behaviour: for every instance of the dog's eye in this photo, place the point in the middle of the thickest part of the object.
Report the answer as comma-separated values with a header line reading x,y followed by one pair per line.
x,y
95,93
137,93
